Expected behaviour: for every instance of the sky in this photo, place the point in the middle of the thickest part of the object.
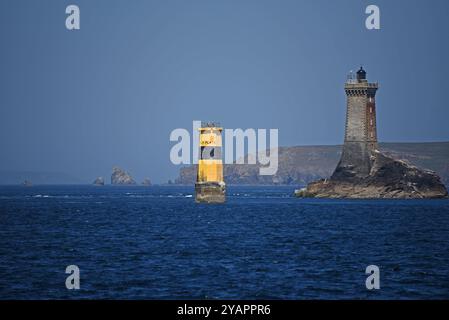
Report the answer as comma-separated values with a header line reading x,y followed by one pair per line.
x,y
82,101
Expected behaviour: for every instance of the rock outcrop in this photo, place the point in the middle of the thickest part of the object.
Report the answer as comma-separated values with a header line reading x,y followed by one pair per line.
x,y
388,179
99,181
146,182
121,177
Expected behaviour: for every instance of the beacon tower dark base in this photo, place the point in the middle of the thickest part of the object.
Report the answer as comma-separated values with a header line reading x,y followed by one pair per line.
x,y
210,192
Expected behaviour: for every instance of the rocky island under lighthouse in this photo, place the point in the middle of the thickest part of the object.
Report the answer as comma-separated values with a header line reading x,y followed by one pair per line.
x,y
364,171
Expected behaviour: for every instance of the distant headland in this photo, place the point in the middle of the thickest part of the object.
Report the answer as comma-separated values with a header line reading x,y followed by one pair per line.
x,y
300,165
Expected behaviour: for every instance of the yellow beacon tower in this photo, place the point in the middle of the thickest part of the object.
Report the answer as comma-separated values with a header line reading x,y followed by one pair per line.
x,y
209,186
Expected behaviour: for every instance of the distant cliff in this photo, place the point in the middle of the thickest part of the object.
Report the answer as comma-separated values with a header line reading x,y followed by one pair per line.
x,y
303,164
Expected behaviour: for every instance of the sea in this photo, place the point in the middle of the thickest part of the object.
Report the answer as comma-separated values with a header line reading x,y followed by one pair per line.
x,y
263,243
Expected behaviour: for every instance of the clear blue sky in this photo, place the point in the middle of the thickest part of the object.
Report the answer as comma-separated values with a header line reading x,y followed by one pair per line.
x,y
110,93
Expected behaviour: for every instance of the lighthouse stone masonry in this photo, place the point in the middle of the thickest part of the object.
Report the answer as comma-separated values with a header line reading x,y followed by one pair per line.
x,y
360,129
364,171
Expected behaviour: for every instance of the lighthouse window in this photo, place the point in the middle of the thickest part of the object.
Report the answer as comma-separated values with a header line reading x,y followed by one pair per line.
x,y
210,153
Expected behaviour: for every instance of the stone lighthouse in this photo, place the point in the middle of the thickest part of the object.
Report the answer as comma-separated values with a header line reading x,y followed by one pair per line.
x,y
364,172
360,130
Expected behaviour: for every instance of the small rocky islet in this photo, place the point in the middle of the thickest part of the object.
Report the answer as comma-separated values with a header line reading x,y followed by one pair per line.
x,y
121,177
99,181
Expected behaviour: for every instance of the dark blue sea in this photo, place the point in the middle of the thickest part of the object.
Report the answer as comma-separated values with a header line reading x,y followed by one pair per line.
x,y
156,243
